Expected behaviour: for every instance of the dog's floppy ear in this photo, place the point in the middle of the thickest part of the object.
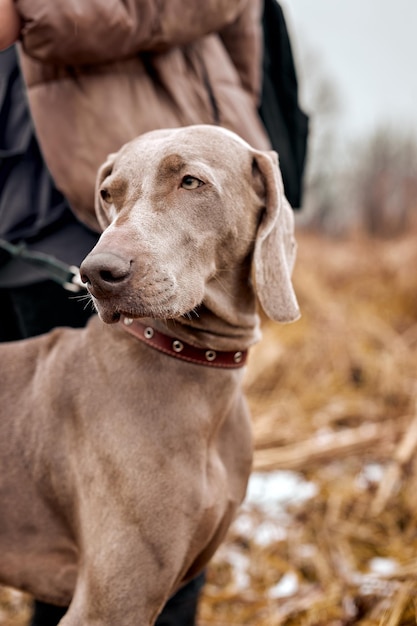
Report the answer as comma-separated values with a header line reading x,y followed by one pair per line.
x,y
104,171
275,246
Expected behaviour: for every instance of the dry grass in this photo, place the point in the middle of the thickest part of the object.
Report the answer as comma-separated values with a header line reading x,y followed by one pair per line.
x,y
334,398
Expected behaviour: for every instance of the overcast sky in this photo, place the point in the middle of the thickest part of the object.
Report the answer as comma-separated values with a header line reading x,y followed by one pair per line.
x,y
368,48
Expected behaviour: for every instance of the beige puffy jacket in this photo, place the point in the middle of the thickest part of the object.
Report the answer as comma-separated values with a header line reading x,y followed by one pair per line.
x,y
101,72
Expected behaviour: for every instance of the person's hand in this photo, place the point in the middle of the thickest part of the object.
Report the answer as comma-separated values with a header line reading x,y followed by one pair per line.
x,y
9,23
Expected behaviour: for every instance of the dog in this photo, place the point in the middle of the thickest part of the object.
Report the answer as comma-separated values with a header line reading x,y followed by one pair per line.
x,y
126,446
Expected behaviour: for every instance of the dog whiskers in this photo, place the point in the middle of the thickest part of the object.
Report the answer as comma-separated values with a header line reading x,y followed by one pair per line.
x,y
222,286
189,314
87,299
226,269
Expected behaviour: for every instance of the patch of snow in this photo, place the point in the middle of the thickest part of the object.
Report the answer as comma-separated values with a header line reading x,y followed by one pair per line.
x,y
383,566
287,586
239,562
268,532
263,533
371,474
272,490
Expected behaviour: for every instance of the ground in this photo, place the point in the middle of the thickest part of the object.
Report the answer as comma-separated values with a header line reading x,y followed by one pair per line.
x,y
328,535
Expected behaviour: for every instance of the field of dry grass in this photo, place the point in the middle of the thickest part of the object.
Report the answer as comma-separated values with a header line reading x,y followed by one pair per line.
x,y
334,399
334,402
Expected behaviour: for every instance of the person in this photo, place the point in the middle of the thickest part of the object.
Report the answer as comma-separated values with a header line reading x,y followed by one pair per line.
x,y
97,74
33,211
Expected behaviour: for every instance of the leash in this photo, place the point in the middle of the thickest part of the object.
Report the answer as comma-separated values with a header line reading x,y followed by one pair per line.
x,y
68,276
180,349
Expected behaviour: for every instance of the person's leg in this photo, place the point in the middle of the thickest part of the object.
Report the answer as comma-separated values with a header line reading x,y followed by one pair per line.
x,y
9,327
40,307
47,614
181,609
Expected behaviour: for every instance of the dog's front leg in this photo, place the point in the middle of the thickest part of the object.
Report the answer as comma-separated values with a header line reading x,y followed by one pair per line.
x,y
123,581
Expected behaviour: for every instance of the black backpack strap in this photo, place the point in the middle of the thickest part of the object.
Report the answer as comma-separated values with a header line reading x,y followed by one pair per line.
x,y
285,122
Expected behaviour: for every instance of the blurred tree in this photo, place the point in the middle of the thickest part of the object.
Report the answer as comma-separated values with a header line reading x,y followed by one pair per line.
x,y
386,182
322,100
368,183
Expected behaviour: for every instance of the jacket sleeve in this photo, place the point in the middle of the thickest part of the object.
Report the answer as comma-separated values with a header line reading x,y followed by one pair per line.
x,y
243,40
78,32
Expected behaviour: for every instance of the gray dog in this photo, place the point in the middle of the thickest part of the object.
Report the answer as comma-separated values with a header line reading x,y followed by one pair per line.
x,y
126,447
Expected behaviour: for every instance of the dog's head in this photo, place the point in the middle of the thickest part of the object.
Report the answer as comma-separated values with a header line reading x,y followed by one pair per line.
x,y
183,209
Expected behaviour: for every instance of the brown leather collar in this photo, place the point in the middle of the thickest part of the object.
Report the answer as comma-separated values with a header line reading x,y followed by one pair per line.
x,y
181,350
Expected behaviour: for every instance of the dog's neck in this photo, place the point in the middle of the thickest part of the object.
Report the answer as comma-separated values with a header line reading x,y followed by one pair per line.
x,y
226,320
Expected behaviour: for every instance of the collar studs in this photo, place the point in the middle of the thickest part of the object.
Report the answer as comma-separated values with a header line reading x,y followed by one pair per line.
x,y
237,357
210,355
180,349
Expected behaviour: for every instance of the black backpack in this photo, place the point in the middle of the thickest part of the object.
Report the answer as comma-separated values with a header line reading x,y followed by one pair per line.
x,y
285,122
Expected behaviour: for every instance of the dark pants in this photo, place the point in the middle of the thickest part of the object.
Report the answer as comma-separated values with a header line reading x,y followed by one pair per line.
x,y
180,610
34,310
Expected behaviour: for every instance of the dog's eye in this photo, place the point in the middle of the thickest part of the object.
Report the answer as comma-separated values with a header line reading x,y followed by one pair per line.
x,y
105,195
190,182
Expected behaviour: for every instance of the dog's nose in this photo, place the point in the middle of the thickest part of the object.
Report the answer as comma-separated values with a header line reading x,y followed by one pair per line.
x,y
103,272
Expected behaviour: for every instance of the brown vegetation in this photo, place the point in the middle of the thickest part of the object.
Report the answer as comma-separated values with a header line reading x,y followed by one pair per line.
x,y
334,398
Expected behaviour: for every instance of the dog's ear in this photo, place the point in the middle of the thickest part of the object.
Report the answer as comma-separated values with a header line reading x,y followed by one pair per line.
x,y
275,246
104,171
